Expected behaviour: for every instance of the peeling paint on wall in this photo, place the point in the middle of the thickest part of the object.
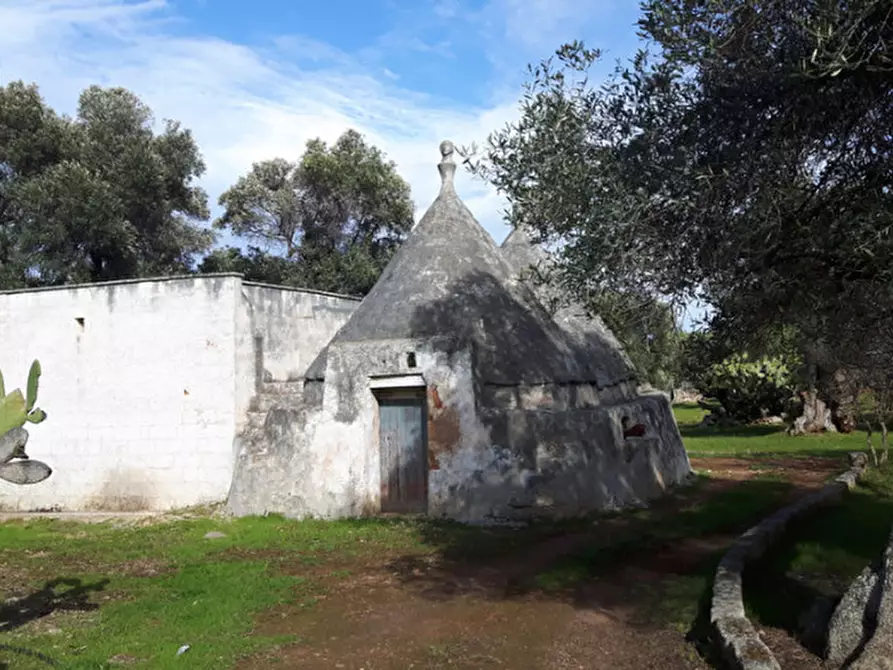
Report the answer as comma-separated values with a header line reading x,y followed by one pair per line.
x,y
444,432
546,456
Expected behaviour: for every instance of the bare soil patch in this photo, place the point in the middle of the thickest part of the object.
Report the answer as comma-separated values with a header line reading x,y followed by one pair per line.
x,y
449,609
789,653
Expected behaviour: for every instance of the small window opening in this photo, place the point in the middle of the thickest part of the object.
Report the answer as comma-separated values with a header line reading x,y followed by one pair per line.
x,y
410,359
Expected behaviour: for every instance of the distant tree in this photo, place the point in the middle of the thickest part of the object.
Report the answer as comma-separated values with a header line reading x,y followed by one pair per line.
x,y
748,384
337,213
96,197
748,162
649,333
255,264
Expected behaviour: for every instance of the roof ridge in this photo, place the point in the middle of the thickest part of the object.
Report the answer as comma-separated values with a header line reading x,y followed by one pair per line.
x,y
450,278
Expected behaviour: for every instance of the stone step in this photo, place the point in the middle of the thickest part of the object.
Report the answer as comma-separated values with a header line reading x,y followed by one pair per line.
x,y
283,388
265,402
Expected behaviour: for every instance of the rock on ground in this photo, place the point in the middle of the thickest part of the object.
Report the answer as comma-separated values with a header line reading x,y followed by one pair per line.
x,y
878,652
861,630
855,617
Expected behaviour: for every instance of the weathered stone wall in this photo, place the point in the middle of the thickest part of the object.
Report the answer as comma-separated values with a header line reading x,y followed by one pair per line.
x,y
566,462
295,325
739,643
137,382
279,331
540,456
146,383
321,458
555,396
860,631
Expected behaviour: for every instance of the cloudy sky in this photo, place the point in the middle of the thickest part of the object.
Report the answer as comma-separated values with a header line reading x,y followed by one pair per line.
x,y
255,80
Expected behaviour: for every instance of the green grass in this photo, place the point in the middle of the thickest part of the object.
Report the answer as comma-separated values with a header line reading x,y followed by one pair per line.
x,y
730,511
201,594
688,414
826,550
820,555
759,441
142,592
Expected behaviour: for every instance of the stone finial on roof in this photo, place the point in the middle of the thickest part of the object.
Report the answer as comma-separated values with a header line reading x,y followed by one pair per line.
x,y
447,166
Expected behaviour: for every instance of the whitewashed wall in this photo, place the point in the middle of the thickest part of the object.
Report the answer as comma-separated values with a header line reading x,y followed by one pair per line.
x,y
139,397
145,396
289,326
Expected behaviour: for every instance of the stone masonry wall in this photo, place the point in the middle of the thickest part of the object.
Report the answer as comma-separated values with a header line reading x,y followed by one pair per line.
x,y
321,458
279,331
146,383
137,382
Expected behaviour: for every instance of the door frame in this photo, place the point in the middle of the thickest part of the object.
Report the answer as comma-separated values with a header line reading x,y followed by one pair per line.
x,y
390,390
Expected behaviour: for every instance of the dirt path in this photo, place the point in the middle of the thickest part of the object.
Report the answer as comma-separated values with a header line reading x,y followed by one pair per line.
x,y
436,612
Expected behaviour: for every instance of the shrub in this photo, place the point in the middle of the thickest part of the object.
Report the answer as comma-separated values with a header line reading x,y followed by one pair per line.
x,y
748,389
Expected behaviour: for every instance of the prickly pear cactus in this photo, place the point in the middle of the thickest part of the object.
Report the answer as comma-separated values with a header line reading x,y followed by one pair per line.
x,y
15,410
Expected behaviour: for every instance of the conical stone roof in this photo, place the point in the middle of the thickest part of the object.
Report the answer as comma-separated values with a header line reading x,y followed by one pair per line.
x,y
521,252
450,280
523,255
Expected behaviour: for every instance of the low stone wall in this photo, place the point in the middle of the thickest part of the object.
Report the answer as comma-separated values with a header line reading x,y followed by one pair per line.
x,y
741,646
860,634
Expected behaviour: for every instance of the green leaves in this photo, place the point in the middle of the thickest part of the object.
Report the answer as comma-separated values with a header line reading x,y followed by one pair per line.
x,y
749,389
16,408
33,380
96,197
12,411
336,215
718,167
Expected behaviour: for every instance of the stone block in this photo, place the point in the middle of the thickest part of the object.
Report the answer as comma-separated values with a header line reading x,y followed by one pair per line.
x,y
854,618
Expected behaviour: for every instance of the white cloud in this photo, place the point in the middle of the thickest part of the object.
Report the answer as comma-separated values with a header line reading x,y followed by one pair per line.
x,y
242,103
545,24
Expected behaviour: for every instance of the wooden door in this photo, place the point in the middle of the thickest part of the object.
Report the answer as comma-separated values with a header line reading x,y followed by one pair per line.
x,y
404,451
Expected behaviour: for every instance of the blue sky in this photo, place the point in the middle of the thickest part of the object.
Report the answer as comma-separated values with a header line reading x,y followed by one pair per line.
x,y
256,80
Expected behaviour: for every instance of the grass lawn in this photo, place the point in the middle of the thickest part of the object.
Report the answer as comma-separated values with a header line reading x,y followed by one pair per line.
x,y
131,593
818,559
760,441
315,594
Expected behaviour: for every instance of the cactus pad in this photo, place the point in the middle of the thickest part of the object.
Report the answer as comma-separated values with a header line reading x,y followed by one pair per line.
x,y
25,472
33,380
12,411
15,409
12,444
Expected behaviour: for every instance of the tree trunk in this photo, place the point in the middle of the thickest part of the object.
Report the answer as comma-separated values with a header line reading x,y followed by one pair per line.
x,y
885,446
816,417
870,443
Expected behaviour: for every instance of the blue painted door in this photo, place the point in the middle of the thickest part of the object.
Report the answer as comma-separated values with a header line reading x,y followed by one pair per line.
x,y
404,452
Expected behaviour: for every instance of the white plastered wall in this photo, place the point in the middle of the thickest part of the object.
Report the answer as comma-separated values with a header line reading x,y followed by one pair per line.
x,y
340,459
146,383
137,382
282,330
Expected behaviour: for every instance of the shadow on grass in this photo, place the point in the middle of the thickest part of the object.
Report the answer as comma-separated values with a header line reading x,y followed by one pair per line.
x,y
49,599
688,430
795,586
838,454
557,559
24,651
657,563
